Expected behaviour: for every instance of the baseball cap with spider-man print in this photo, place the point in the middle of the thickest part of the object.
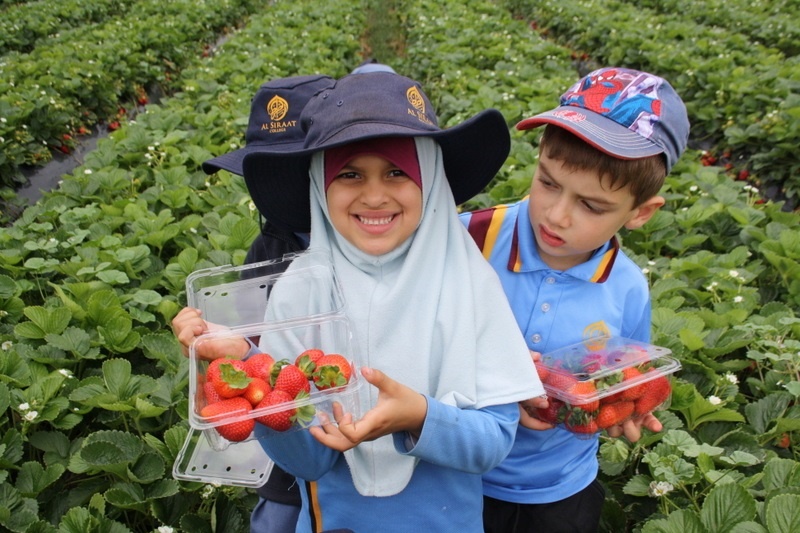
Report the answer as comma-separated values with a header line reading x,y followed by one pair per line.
x,y
625,113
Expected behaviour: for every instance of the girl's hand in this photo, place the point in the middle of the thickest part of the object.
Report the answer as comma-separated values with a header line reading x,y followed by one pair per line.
x,y
399,408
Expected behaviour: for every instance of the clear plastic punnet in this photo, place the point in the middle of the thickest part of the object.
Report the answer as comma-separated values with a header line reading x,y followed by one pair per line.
x,y
291,312
604,381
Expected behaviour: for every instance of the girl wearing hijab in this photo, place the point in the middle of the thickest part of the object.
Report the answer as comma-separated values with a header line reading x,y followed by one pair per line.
x,y
377,185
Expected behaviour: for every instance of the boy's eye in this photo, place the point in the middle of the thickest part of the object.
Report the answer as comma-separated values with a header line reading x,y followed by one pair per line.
x,y
593,209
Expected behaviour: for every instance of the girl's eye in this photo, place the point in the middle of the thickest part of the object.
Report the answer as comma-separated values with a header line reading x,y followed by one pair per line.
x,y
347,175
397,173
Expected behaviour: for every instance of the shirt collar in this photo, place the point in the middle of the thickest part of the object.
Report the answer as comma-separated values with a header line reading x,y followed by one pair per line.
x,y
527,258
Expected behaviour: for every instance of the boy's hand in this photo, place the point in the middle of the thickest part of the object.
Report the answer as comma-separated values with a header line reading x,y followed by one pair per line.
x,y
527,407
632,428
399,408
526,414
188,325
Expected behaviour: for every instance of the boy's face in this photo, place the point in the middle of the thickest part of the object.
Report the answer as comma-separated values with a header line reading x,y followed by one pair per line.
x,y
373,204
573,212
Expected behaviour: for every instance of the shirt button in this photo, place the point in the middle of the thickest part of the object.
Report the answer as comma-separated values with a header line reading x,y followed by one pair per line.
x,y
536,338
550,280
545,307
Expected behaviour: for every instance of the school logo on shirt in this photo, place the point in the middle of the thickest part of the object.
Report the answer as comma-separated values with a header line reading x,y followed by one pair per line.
x,y
595,335
418,103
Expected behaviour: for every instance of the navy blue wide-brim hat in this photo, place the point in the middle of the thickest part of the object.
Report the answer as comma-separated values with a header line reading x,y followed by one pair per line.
x,y
365,106
274,124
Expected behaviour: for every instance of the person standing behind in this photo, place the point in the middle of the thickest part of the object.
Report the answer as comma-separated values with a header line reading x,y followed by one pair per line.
x,y
273,125
603,157
430,323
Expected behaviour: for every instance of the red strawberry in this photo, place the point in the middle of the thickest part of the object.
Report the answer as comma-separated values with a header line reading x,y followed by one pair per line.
x,y
585,396
542,370
333,370
259,365
560,381
633,393
580,421
279,420
233,380
586,428
593,362
307,361
212,371
614,413
553,414
211,393
658,390
256,390
235,431
291,380
283,419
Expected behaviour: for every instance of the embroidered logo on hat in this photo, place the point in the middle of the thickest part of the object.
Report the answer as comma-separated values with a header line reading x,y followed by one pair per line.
x,y
418,102
277,108
274,123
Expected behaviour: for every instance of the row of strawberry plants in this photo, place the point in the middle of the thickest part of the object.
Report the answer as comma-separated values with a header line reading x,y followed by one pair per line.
x,y
769,23
726,295
96,269
740,95
82,76
22,26
93,386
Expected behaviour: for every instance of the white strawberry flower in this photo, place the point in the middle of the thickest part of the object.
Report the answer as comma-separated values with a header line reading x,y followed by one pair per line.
x,y
714,400
660,488
30,416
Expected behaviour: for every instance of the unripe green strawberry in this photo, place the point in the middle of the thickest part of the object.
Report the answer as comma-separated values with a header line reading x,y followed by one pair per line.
x,y
234,431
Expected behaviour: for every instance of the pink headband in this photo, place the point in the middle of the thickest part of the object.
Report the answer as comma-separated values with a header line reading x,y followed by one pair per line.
x,y
401,151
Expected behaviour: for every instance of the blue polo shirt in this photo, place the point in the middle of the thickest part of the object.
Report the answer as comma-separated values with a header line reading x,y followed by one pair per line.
x,y
606,295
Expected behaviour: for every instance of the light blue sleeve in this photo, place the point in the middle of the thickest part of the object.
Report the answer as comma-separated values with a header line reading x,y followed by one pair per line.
x,y
297,452
470,440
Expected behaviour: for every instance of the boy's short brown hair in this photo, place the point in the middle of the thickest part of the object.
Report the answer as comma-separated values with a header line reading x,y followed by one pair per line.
x,y
644,177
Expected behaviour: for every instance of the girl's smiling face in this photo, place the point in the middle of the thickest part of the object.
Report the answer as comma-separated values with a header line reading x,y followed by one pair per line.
x,y
573,212
374,204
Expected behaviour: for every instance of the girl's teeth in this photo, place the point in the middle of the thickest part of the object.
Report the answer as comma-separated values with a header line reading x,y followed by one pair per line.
x,y
375,221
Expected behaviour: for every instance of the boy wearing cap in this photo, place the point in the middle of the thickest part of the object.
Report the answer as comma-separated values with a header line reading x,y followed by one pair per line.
x,y
603,157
